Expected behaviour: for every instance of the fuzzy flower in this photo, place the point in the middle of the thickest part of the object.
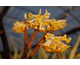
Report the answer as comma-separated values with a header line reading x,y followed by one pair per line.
x,y
47,15
30,15
54,43
19,27
43,23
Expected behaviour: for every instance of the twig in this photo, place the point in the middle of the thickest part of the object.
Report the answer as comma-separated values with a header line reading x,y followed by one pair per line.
x,y
52,32
25,34
29,44
25,39
59,56
4,40
36,48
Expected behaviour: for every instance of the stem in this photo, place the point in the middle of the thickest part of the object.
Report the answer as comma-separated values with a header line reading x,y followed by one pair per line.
x,y
52,32
25,33
25,37
29,45
59,55
25,40
4,40
36,48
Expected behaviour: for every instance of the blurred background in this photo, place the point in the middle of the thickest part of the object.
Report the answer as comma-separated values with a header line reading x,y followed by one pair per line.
x,y
11,14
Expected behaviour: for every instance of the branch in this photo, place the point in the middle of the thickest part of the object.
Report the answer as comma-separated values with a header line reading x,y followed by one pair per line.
x,y
4,40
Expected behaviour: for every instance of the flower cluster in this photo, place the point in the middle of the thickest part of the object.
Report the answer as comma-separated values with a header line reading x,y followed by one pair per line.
x,y
19,27
54,43
43,23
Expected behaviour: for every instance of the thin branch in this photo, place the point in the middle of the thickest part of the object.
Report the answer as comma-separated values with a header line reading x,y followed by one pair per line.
x,y
29,44
36,48
25,37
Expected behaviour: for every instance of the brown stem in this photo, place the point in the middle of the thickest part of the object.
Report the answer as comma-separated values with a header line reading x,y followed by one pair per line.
x,y
36,48
25,33
25,39
4,40
59,55
25,36
29,44
52,32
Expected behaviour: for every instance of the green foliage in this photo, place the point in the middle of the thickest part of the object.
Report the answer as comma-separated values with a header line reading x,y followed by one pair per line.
x,y
16,54
21,52
54,55
30,50
73,52
14,47
42,53
64,55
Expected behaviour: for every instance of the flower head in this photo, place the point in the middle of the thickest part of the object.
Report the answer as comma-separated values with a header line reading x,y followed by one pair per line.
x,y
30,15
19,27
44,23
47,15
39,17
54,43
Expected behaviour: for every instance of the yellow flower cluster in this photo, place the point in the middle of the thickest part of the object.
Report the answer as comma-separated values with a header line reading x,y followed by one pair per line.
x,y
19,27
43,23
54,43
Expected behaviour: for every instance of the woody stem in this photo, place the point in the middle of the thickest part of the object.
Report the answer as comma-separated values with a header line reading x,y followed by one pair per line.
x,y
25,37
59,55
29,44
36,48
25,40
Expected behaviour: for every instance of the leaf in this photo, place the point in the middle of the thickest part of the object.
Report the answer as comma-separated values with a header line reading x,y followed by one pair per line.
x,y
67,53
54,55
30,50
42,53
14,47
63,55
77,56
73,52
21,52
11,56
